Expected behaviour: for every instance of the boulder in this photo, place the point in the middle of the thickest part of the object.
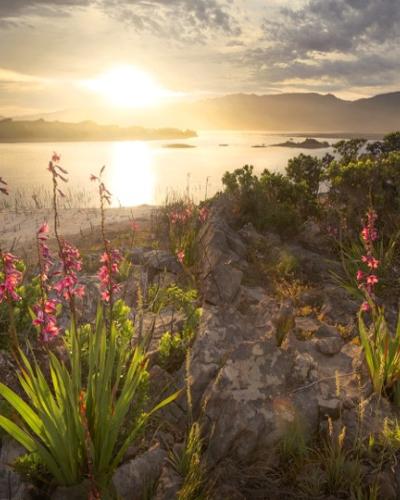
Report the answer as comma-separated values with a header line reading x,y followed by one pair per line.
x,y
132,479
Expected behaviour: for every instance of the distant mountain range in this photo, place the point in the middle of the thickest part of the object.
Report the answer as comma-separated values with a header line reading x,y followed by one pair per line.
x,y
298,112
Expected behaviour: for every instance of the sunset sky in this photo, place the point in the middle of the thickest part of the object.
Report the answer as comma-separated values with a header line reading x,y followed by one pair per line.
x,y
67,53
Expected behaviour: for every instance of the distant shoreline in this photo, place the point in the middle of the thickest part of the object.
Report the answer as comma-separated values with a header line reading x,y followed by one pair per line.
x,y
41,131
332,135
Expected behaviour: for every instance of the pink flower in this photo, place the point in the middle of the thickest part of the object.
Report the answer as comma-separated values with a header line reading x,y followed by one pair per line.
x,y
12,278
56,157
181,256
365,307
360,275
71,261
108,272
372,279
203,214
93,177
135,226
371,262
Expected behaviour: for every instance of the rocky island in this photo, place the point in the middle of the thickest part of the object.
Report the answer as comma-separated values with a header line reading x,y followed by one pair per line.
x,y
308,143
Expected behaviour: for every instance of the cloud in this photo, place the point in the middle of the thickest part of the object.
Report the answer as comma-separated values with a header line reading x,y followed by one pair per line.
x,y
10,9
353,42
178,19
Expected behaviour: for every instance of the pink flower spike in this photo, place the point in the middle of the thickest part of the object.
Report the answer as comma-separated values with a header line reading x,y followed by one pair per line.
x,y
372,279
56,157
44,228
181,256
365,307
360,275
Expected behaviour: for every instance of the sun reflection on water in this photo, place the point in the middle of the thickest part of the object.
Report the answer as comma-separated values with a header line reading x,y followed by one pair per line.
x,y
131,176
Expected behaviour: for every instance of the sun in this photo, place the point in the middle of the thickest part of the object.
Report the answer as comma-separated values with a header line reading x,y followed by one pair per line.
x,y
128,86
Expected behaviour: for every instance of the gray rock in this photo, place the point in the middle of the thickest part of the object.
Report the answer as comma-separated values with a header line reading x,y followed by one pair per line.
x,y
136,255
329,346
222,284
77,492
169,484
11,485
313,297
132,479
160,260
329,407
306,327
325,331
251,236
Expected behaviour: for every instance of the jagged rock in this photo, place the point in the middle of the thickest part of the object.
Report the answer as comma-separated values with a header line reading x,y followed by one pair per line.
x,y
306,327
338,305
251,295
251,236
313,297
77,492
253,388
169,484
136,255
329,346
303,365
160,260
11,485
326,331
329,408
132,479
222,285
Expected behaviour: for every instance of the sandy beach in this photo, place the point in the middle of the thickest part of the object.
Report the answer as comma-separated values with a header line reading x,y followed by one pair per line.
x,y
17,229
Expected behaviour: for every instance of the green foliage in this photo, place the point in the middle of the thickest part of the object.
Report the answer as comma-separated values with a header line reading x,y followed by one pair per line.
x,y
78,425
351,259
29,293
293,444
276,201
382,352
287,264
123,323
173,346
184,219
364,182
349,150
31,469
306,170
188,464
342,471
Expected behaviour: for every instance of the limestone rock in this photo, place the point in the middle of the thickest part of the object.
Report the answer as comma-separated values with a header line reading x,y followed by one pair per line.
x,y
132,478
329,346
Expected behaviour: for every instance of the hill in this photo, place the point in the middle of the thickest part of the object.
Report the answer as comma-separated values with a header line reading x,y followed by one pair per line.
x,y
43,131
308,113
295,112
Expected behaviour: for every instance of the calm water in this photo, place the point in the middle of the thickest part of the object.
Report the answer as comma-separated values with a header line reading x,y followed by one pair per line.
x,y
140,172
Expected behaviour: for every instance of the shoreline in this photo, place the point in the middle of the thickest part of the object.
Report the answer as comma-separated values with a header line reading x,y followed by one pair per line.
x,y
19,228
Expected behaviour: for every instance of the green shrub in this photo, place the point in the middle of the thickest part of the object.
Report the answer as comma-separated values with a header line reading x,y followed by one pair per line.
x,y
382,352
78,426
276,201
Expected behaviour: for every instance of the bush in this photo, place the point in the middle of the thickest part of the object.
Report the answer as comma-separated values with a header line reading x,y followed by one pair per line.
x,y
272,200
82,426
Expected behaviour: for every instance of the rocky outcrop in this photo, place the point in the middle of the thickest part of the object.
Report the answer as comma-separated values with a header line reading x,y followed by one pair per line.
x,y
245,388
